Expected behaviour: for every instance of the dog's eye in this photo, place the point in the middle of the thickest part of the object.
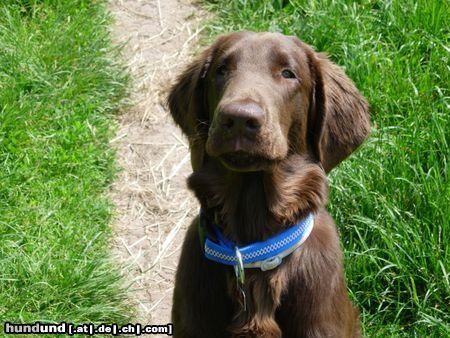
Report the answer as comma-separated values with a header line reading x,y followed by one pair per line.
x,y
288,74
221,70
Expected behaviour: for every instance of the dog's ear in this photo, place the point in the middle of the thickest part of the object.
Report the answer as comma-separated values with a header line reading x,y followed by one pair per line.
x,y
187,103
338,120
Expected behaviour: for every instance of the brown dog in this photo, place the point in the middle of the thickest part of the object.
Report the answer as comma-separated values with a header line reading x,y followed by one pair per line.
x,y
266,117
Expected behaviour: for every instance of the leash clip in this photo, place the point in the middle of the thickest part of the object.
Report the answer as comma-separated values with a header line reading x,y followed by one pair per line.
x,y
240,278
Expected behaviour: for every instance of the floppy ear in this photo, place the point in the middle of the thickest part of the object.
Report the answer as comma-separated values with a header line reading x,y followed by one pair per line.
x,y
338,120
187,102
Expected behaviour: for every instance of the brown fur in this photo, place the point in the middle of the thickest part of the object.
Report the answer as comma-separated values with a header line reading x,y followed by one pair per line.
x,y
255,180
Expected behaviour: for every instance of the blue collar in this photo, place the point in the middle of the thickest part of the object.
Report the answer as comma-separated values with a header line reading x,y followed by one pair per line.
x,y
265,255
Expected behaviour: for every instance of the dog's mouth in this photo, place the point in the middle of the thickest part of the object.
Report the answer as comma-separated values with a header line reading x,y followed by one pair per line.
x,y
244,162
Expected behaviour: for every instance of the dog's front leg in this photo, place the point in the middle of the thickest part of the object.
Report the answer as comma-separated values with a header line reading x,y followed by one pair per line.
x,y
263,297
201,305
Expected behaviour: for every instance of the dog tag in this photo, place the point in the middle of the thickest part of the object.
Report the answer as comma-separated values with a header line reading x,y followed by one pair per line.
x,y
239,267
240,278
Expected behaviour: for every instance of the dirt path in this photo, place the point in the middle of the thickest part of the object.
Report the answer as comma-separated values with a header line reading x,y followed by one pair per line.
x,y
153,204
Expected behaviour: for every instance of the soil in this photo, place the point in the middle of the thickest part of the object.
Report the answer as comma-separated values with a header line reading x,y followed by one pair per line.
x,y
153,205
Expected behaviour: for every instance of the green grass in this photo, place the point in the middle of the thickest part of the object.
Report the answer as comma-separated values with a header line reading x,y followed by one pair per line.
x,y
391,200
59,86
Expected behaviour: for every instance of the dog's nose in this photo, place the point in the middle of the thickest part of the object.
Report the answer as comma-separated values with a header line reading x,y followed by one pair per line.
x,y
242,118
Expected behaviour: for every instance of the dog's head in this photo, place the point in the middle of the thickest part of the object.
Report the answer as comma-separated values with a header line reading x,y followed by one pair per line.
x,y
252,99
